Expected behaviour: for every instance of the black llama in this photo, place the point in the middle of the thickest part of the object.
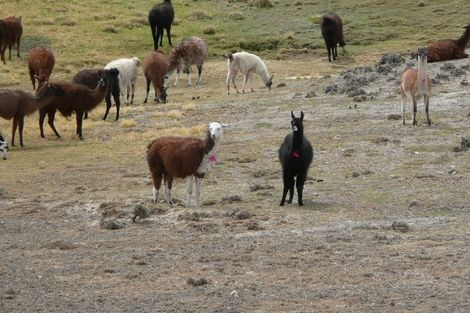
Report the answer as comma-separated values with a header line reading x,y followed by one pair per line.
x,y
161,17
295,155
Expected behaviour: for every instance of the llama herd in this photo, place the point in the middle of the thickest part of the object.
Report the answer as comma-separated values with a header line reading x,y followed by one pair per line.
x,y
176,157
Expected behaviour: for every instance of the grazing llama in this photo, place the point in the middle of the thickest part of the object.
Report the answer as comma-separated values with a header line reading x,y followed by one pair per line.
x,y
40,64
170,157
295,155
246,63
189,51
331,27
415,83
155,69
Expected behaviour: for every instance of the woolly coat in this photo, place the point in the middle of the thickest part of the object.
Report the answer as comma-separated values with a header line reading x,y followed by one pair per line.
x,y
128,71
246,62
189,51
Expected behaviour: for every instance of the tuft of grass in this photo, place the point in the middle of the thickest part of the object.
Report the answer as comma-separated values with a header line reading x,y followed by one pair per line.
x,y
262,3
127,123
189,106
110,29
175,114
236,16
209,30
198,15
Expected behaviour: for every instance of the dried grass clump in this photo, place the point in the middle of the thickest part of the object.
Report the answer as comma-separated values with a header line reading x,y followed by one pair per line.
x,y
236,16
110,29
189,106
174,114
209,30
262,3
198,15
127,123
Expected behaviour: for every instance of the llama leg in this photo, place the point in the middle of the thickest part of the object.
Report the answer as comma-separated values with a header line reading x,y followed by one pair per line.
x,y
170,183
426,108
199,73
300,186
148,90
50,121
291,194
128,94
159,35
198,192
20,130
157,182
288,184
189,75
78,116
177,76
329,53
42,116
168,33
107,98
117,101
9,52
18,47
33,80
189,191
152,28
13,130
245,79
133,92
403,100
415,108
228,81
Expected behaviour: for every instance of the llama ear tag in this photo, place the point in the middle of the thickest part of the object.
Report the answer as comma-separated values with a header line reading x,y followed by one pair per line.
x,y
296,154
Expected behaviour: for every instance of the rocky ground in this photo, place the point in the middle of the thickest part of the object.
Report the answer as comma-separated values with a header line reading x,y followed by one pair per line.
x,y
385,226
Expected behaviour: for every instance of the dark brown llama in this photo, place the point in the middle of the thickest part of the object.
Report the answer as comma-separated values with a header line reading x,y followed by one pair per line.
x,y
16,104
13,29
40,64
91,77
449,49
331,27
77,99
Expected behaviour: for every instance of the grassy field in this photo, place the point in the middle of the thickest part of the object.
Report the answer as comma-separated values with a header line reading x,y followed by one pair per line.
x,y
91,33
385,225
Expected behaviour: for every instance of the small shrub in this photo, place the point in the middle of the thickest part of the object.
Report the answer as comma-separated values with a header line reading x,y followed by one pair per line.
x,y
198,15
209,30
236,16
110,29
127,123
262,3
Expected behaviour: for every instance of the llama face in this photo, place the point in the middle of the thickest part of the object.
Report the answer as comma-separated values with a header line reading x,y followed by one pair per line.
x,y
296,122
270,82
423,53
216,130
163,94
4,147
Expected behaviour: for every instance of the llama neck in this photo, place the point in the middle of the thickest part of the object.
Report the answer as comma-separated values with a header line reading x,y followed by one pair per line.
x,y
422,71
210,146
297,140
464,39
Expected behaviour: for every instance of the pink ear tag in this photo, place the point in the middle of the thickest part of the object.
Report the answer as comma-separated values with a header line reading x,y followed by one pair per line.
x,y
213,158
296,154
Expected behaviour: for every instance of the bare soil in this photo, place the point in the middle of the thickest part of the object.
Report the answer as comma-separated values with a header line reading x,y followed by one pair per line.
x,y
385,225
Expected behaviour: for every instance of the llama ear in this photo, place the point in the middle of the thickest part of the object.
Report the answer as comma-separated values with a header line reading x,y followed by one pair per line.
x,y
271,79
301,115
224,125
99,73
292,114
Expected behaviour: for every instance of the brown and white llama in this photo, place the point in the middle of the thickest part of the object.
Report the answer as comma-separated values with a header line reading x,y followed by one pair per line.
x,y
40,64
449,49
16,104
189,51
77,99
155,69
415,83
12,31
170,157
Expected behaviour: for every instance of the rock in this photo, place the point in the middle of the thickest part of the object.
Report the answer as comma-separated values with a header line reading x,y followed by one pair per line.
x,y
400,226
197,282
110,224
